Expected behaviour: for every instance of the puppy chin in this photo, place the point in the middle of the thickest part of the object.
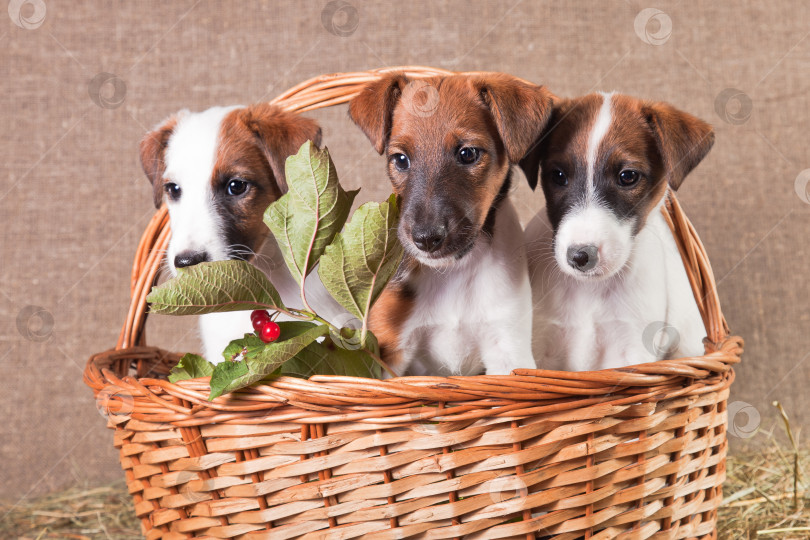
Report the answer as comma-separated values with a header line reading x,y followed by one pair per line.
x,y
443,260
443,263
432,261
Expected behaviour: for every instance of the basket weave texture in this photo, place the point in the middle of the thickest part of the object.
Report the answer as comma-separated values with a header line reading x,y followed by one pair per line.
x,y
632,453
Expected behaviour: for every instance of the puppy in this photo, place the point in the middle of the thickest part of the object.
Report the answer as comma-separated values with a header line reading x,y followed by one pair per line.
x,y
217,171
609,285
460,302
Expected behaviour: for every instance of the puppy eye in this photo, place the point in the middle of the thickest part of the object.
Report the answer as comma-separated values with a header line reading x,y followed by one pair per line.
x,y
628,177
172,190
237,187
559,178
401,162
468,156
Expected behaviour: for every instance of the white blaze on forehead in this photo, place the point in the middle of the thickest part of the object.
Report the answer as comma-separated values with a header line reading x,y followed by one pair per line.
x,y
191,152
600,128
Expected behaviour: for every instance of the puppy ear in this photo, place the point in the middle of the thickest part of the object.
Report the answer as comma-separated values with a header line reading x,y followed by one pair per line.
x,y
373,108
530,164
153,154
280,135
520,109
682,139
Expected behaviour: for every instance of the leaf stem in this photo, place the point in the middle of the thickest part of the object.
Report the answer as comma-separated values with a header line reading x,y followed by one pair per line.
x,y
304,295
380,361
307,315
298,314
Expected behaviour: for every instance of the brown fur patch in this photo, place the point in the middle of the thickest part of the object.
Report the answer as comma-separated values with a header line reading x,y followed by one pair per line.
x,y
683,140
371,109
388,315
278,133
152,152
254,143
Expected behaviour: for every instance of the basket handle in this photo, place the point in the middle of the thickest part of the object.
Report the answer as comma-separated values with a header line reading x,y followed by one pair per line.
x,y
339,88
699,271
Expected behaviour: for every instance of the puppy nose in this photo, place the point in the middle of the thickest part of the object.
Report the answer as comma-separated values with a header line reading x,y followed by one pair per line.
x,y
583,257
190,258
429,239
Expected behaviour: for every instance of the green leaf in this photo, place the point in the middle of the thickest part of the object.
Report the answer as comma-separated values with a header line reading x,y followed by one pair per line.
x,y
306,219
240,347
255,362
361,260
213,287
225,376
329,359
191,366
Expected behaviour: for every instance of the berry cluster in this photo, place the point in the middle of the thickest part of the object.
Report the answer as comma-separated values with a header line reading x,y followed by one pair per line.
x,y
266,328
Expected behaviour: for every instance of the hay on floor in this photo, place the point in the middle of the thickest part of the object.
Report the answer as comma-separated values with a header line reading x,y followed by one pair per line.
x,y
766,493
76,513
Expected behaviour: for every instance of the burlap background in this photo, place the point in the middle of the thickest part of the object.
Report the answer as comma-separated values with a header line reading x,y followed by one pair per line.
x,y
73,200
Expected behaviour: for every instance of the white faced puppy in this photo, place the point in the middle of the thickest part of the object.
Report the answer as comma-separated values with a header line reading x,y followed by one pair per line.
x,y
460,302
608,282
218,170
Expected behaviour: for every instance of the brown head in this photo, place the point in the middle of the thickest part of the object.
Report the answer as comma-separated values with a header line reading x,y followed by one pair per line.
x,y
217,171
450,142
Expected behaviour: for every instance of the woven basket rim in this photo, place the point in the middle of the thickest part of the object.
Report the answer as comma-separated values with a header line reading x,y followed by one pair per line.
x,y
722,350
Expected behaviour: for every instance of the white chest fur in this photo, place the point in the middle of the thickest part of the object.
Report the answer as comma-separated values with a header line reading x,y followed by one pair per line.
x,y
645,313
476,315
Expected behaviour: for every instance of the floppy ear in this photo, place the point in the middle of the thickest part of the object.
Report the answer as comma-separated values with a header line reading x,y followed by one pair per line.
x,y
682,139
280,135
521,111
373,108
530,164
153,153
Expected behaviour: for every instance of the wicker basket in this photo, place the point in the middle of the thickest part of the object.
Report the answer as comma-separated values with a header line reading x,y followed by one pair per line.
x,y
629,453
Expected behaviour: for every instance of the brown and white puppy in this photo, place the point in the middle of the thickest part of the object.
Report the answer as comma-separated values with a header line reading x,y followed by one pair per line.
x,y
218,170
460,303
609,285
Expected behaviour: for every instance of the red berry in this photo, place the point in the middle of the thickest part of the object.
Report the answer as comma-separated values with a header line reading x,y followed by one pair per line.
x,y
259,318
270,332
259,313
